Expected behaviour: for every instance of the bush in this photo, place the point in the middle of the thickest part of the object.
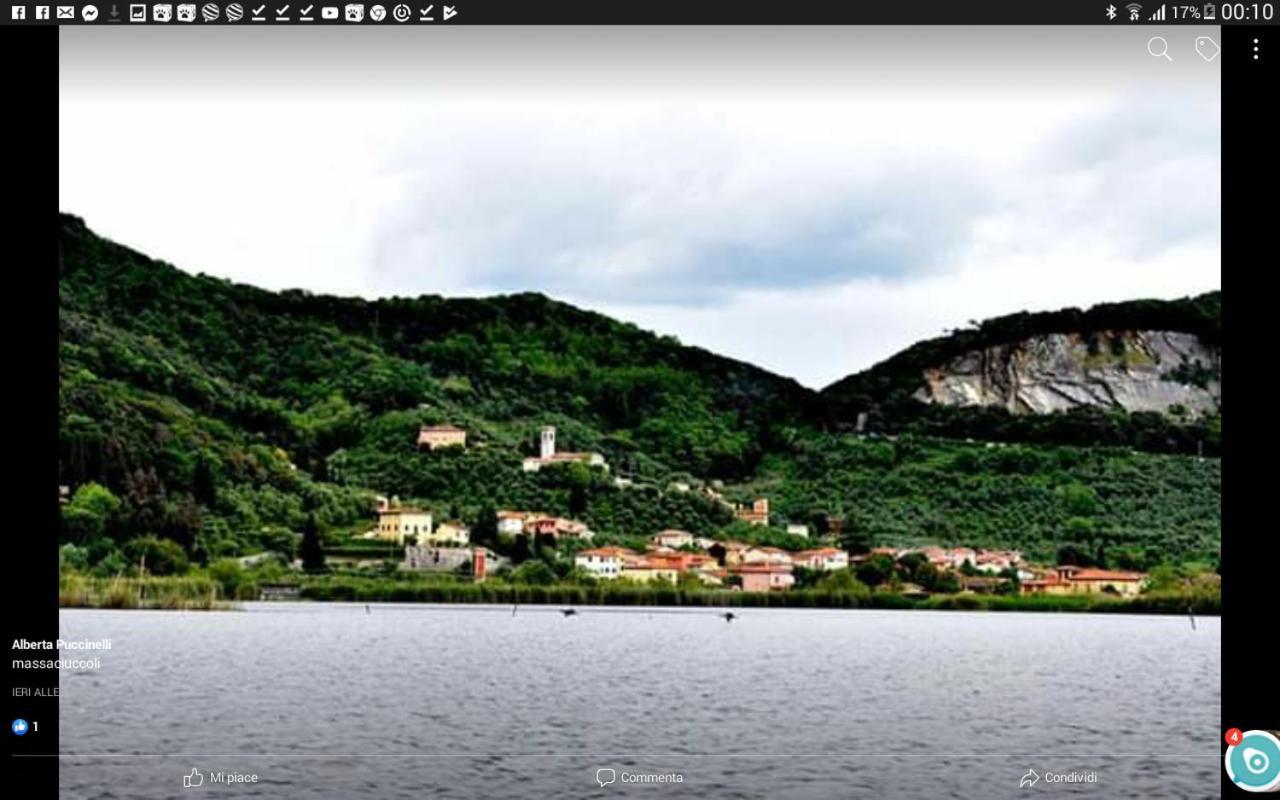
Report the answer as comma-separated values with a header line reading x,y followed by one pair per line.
x,y
156,556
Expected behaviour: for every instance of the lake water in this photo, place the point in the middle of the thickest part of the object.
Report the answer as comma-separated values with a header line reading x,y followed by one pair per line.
x,y
415,701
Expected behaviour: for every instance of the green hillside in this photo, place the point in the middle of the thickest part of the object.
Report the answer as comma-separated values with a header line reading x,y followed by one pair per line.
x,y
220,417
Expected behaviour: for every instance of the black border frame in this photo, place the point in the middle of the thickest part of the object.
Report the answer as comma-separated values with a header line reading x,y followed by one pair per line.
x,y
1250,548
29,64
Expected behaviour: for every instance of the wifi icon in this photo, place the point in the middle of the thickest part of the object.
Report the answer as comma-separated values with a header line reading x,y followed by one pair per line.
x,y
1135,11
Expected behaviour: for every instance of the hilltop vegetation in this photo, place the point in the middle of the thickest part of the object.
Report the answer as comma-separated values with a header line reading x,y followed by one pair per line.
x,y
201,419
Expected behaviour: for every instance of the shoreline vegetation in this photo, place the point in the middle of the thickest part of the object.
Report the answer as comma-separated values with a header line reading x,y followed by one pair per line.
x,y
190,593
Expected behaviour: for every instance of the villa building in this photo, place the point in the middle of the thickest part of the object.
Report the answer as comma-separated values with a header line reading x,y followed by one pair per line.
x,y
673,539
729,554
1065,580
447,534
536,523
399,523
825,559
602,562
766,555
433,437
765,577
511,523
648,569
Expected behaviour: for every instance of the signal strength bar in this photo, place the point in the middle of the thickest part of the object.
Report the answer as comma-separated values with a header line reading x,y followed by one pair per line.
x,y
1157,15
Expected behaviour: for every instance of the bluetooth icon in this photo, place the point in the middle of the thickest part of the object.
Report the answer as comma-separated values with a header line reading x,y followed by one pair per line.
x,y
1111,12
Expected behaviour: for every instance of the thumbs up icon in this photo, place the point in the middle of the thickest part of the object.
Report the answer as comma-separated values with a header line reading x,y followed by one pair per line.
x,y
194,779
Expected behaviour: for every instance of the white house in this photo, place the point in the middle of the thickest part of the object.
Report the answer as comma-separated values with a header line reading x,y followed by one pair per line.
x,y
822,558
673,538
448,534
511,523
602,562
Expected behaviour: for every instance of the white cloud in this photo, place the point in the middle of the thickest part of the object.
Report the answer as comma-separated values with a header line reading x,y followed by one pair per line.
x,y
813,225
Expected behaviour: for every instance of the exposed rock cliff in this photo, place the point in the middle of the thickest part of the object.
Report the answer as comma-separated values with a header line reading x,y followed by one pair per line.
x,y
1142,370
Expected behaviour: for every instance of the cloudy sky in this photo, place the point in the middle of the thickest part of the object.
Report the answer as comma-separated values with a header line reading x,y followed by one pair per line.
x,y
810,200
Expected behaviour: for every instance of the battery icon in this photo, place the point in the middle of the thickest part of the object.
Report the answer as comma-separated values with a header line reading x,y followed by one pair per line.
x,y
1210,11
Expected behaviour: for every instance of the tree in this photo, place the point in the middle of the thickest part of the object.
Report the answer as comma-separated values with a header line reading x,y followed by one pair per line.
x,y
183,522
533,573
1074,555
89,513
312,550
204,485
875,570
144,507
485,530
520,550
855,538
156,556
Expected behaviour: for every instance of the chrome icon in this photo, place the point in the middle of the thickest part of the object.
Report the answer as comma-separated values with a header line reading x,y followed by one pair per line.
x,y
1253,763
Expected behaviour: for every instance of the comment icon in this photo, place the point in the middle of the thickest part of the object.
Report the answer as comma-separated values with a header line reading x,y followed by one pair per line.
x,y
605,776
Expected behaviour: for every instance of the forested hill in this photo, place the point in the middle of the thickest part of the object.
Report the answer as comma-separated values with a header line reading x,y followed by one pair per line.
x,y
224,418
270,362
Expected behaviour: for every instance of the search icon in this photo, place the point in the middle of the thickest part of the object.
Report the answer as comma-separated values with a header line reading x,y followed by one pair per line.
x,y
1158,47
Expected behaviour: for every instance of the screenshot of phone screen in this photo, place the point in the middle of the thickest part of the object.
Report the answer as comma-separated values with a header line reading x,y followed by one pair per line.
x,y
448,408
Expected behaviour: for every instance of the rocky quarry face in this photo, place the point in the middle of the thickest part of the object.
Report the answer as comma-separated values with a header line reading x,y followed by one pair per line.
x,y
1164,371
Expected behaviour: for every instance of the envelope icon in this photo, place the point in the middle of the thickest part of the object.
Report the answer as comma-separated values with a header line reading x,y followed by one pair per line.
x,y
66,12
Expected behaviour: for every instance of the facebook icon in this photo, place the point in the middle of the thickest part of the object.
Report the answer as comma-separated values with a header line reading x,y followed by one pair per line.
x,y
19,727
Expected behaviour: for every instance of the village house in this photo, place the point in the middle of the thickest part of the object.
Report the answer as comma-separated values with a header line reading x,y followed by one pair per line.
x,y
647,569
980,584
398,523
433,437
757,514
1065,580
535,523
766,555
548,456
602,562
673,538
557,527
825,559
511,523
765,577
796,529
729,554
447,534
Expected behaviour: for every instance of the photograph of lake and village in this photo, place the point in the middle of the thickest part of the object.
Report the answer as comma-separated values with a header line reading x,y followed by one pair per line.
x,y
775,373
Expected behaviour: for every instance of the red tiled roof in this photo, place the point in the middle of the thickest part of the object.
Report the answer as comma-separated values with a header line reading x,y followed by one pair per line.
x,y
762,568
606,551
1104,575
818,551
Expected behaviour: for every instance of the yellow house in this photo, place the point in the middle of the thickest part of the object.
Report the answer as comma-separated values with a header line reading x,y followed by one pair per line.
x,y
1065,580
645,570
402,522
